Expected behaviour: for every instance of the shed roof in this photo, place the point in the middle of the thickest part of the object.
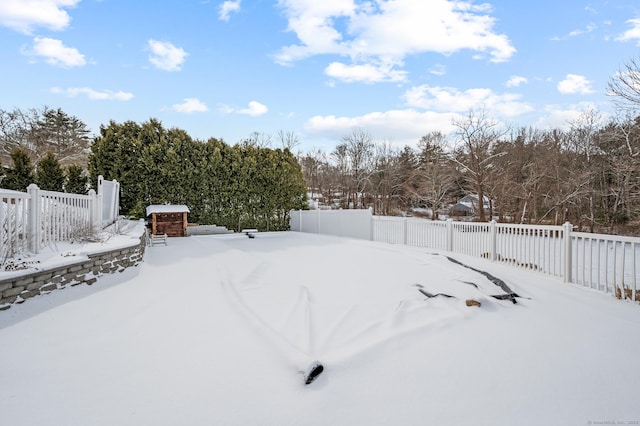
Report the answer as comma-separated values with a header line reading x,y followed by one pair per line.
x,y
167,208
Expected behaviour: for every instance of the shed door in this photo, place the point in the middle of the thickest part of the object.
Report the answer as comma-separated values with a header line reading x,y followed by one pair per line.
x,y
170,223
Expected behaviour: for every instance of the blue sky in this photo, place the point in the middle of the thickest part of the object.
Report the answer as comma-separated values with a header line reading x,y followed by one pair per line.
x,y
396,68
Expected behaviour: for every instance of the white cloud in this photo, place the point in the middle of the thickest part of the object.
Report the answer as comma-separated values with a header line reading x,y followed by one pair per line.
x,y
589,28
254,109
387,32
166,56
575,84
575,33
516,81
366,73
54,52
633,33
452,99
26,15
399,127
227,7
190,105
438,69
93,94
556,117
428,109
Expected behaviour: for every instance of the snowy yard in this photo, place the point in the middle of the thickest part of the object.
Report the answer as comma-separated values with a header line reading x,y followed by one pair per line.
x,y
215,330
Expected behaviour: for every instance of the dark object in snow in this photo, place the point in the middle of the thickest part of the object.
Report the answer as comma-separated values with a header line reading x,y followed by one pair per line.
x,y
429,295
251,233
473,302
510,295
313,371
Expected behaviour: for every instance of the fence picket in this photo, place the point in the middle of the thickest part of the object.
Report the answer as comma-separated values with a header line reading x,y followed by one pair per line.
x,y
40,218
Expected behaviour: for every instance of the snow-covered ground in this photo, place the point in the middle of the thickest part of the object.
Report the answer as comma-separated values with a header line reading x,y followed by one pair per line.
x,y
122,234
215,330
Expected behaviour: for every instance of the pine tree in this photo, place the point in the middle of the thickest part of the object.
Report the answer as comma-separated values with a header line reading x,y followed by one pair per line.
x,y
20,176
49,175
115,154
77,181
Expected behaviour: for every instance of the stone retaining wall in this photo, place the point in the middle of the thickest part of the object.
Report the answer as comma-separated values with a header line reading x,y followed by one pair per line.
x,y
86,271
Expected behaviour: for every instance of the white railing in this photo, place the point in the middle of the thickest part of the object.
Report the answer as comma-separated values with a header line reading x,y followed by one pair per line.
x,y
13,223
37,218
58,216
607,263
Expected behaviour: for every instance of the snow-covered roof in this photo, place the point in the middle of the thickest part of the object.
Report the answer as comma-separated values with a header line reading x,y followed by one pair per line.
x,y
167,208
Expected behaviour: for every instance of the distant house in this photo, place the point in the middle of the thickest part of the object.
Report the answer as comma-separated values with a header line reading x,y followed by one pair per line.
x,y
468,206
169,219
461,209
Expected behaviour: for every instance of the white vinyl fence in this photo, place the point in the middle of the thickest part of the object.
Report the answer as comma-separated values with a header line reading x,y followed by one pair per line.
x,y
109,193
604,262
36,218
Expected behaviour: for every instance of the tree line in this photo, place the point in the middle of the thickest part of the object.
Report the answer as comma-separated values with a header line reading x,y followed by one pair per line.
x,y
247,185
44,146
238,186
588,174
49,175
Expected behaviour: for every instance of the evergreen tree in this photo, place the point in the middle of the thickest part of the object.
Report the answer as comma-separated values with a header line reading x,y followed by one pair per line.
x,y
240,186
115,154
77,181
49,174
20,175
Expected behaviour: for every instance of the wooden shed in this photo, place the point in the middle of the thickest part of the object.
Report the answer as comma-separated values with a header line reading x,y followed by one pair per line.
x,y
170,219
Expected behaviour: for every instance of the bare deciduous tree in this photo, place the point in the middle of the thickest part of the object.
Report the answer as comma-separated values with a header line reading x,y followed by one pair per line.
x,y
359,151
476,135
288,140
39,131
626,83
433,179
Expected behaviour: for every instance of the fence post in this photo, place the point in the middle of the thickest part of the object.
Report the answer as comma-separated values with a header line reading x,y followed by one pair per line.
x,y
95,219
404,231
449,234
494,239
34,218
99,200
566,235
116,200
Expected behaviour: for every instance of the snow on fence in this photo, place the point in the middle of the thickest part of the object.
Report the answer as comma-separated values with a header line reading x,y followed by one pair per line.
x,y
37,218
607,263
